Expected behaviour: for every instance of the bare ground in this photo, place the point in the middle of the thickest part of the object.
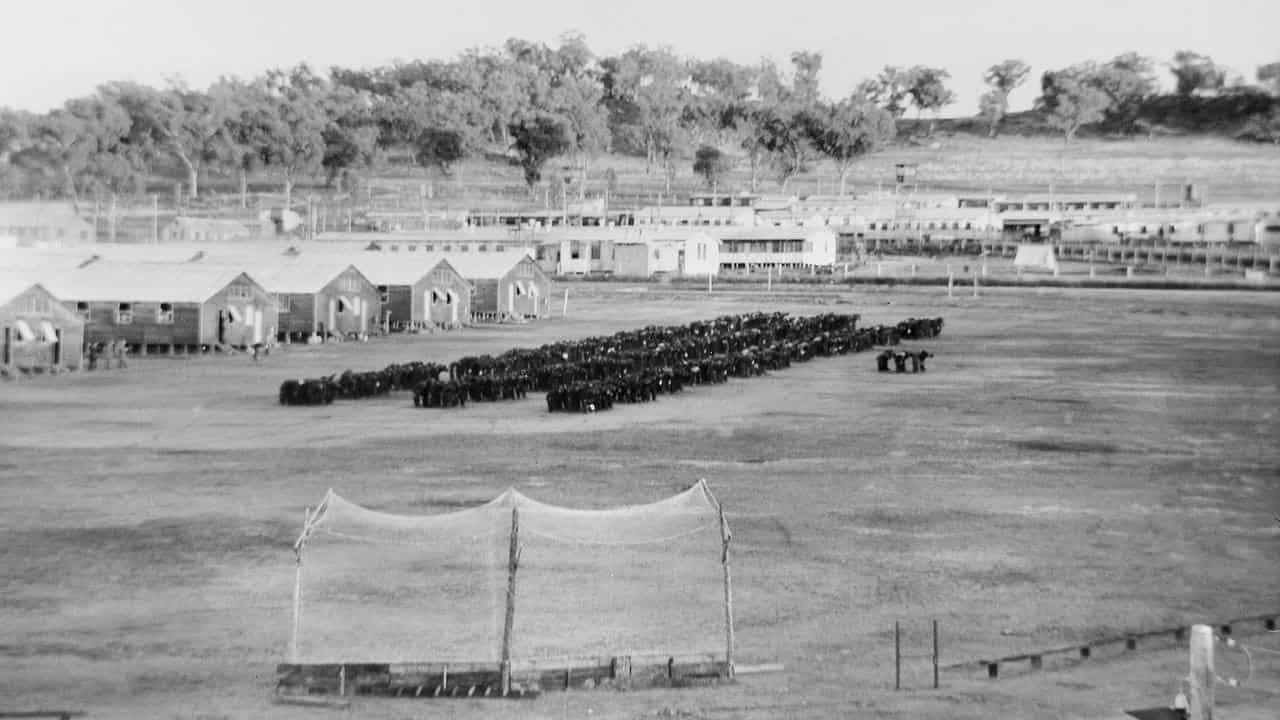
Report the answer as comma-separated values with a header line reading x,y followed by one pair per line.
x,y
1075,463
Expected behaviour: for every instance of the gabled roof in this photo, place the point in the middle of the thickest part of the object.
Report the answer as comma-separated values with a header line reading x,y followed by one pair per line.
x,y
397,268
486,265
142,282
304,275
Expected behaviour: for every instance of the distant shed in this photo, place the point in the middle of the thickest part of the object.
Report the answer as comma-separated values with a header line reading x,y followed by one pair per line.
x,y
203,230
44,224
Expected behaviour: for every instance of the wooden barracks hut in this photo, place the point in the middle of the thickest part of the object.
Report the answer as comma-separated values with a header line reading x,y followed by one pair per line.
x,y
507,284
320,297
153,306
416,289
36,331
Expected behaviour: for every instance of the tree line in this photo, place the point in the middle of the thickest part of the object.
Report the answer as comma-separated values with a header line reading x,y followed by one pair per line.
x,y
530,103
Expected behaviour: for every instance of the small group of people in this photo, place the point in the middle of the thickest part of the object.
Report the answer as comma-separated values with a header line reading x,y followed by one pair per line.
x,y
900,359
106,352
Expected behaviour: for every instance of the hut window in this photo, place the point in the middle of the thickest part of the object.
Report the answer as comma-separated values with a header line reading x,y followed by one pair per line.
x,y
412,248
499,248
524,270
239,292
595,250
464,248
342,305
448,247
282,304
395,248
384,295
82,309
50,334
124,314
24,331
164,315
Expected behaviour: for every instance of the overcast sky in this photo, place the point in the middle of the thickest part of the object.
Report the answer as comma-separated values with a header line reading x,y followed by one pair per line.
x,y
53,50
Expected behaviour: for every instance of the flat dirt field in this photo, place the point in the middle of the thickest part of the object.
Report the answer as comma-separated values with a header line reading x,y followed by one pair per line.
x,y
1074,464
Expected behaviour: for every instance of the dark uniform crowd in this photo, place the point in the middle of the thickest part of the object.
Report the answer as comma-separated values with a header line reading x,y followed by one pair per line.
x,y
592,374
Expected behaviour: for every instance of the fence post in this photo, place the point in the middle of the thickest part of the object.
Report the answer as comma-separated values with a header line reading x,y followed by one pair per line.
x,y
897,656
935,654
1202,677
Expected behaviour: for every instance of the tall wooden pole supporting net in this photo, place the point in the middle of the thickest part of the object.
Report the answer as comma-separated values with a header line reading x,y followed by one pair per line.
x,y
513,562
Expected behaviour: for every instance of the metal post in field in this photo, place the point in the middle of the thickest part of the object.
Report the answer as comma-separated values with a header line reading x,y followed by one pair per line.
x,y
564,312
975,286
951,281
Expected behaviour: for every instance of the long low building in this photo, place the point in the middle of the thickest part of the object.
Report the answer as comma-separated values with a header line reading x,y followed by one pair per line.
x,y
777,247
167,305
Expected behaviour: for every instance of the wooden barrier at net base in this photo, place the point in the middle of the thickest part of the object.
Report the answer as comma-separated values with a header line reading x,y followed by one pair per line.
x,y
527,680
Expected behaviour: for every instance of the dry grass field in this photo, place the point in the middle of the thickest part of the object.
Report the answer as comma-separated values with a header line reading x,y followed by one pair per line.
x,y
1074,464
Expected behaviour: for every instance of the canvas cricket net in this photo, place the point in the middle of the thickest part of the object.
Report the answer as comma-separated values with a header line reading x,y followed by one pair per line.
x,y
379,587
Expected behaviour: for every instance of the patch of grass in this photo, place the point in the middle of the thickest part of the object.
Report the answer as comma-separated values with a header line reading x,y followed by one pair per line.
x,y
1066,446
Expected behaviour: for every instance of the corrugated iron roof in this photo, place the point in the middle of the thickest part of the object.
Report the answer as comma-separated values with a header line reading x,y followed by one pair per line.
x,y
44,260
384,268
304,275
13,283
142,282
486,265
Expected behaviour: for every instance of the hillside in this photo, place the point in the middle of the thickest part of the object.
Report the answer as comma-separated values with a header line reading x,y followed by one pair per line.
x,y
1222,170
